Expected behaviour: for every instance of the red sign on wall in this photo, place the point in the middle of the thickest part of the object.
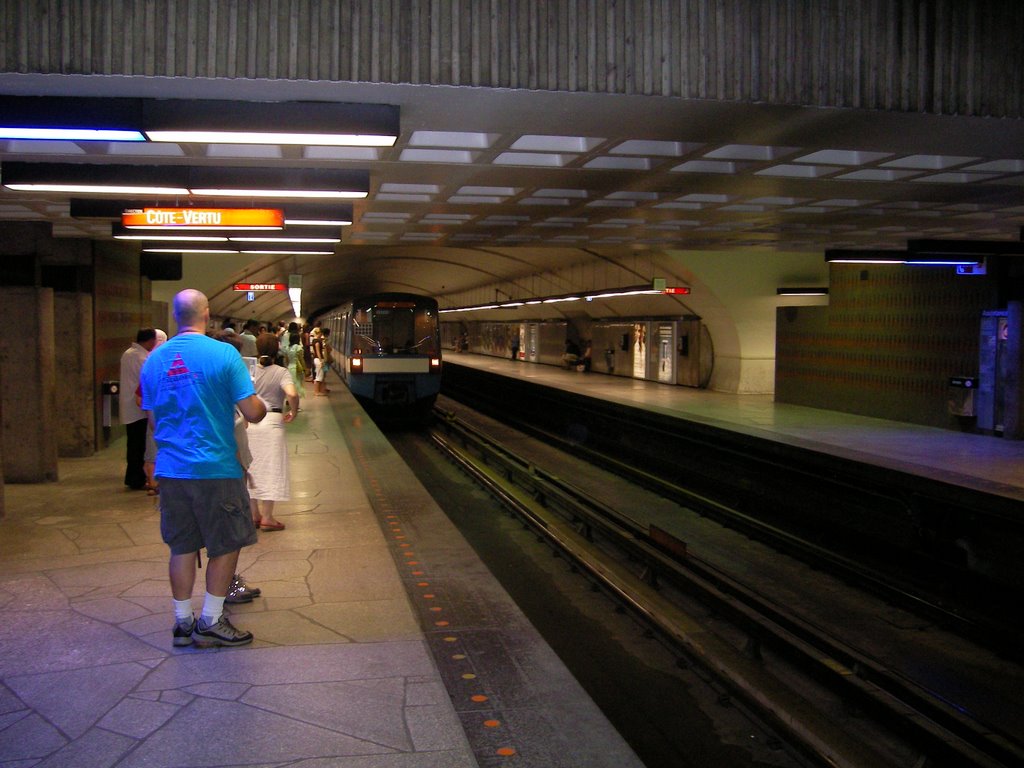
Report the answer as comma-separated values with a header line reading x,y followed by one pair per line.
x,y
261,287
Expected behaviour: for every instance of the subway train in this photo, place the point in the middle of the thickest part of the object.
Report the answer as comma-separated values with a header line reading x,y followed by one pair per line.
x,y
388,351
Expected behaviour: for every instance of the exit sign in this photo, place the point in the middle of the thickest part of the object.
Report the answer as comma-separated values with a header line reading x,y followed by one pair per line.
x,y
261,287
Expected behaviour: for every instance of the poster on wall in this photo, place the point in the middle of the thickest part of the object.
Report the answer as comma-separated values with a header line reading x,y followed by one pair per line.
x,y
639,350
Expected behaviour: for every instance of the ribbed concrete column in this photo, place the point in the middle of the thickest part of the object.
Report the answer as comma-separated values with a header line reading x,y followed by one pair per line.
x,y
76,394
27,356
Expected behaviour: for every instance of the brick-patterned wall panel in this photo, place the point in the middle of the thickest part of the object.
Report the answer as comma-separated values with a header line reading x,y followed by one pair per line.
x,y
887,343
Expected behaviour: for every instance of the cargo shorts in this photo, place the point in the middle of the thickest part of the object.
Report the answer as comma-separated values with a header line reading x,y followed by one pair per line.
x,y
212,513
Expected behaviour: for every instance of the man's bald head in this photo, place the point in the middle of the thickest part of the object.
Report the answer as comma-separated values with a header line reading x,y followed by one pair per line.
x,y
190,307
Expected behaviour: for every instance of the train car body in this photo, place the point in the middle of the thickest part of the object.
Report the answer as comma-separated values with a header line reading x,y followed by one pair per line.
x,y
388,350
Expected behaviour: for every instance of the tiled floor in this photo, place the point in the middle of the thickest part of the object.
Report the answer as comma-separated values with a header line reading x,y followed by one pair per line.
x,y
340,673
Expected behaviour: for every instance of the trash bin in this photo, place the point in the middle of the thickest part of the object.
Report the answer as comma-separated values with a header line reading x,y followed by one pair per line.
x,y
961,395
110,391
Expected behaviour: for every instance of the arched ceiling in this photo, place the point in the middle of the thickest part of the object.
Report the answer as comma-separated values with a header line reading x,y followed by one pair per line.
x,y
526,192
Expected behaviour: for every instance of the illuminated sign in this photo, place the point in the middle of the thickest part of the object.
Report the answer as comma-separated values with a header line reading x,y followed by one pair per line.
x,y
200,218
261,287
681,290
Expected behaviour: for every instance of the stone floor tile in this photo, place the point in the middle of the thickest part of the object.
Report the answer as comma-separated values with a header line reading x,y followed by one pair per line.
x,y
138,719
96,749
434,727
369,714
75,699
112,609
47,641
30,736
366,622
245,731
422,693
285,628
304,664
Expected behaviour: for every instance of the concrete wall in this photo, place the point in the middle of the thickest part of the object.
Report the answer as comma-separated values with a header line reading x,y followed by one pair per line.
x,y
29,393
962,58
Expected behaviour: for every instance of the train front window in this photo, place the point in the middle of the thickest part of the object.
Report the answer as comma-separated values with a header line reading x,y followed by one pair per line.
x,y
394,328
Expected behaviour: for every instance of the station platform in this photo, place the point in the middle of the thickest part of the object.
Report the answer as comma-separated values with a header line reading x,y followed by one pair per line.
x,y
381,639
984,463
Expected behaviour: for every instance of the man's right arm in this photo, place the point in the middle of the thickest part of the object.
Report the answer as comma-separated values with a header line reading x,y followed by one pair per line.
x,y
252,408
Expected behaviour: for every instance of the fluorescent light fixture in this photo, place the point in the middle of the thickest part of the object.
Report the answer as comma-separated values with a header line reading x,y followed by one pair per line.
x,y
935,261
314,215
608,293
318,222
317,123
190,250
813,291
170,237
321,194
295,293
268,137
176,181
288,253
285,239
318,183
68,134
624,292
838,256
71,118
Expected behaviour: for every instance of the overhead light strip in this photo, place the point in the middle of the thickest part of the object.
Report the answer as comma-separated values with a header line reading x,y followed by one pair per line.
x,y
176,181
609,293
260,137
83,118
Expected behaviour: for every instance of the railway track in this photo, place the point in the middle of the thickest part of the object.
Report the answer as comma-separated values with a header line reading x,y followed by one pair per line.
x,y
765,647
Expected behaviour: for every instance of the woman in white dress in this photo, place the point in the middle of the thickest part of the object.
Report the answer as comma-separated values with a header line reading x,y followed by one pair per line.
x,y
269,468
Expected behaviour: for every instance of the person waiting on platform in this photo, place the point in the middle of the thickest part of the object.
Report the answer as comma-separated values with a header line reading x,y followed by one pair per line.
x,y
134,420
190,387
267,444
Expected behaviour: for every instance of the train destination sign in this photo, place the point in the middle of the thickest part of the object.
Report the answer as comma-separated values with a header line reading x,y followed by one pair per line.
x,y
261,287
200,218
679,290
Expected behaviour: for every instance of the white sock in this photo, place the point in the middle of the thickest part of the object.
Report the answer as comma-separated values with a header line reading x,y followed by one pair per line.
x,y
182,609
213,608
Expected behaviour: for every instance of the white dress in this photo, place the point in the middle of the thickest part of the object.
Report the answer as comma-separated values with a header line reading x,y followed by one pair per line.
x,y
267,443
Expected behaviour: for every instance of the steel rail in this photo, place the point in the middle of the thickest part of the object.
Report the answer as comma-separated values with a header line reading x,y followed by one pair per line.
x,y
569,518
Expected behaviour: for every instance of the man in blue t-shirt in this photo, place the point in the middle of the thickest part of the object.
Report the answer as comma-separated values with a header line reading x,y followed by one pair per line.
x,y
190,386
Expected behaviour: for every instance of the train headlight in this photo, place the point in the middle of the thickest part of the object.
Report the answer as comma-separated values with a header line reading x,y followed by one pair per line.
x,y
355,365
435,365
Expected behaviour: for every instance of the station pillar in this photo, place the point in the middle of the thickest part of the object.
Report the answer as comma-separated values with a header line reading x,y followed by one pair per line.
x,y
27,356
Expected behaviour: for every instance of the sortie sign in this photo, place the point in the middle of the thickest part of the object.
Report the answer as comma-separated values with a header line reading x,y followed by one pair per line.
x,y
235,218
261,287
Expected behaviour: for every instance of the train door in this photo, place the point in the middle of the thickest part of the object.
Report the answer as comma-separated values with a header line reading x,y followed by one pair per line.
x,y
665,360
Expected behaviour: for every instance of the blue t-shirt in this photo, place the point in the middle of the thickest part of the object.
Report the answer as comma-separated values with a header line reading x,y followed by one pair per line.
x,y
191,384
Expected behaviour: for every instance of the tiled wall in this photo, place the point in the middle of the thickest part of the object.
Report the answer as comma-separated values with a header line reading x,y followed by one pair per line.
x,y
886,345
